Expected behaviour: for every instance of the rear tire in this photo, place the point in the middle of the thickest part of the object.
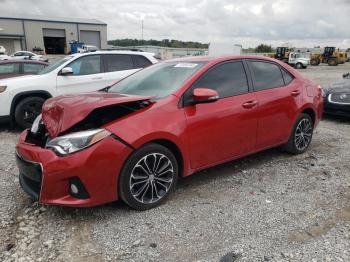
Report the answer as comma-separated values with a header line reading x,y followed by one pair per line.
x,y
148,177
27,110
301,136
315,62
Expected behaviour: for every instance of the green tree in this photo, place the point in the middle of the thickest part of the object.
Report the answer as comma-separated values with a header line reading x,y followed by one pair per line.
x,y
262,48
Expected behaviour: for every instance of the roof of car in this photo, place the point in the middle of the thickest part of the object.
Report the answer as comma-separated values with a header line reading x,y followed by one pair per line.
x,y
116,52
25,61
218,58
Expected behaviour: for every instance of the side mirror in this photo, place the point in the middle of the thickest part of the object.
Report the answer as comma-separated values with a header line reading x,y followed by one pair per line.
x,y
67,71
204,95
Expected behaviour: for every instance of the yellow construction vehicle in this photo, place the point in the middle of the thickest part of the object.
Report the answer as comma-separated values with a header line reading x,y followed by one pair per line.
x,y
282,53
330,56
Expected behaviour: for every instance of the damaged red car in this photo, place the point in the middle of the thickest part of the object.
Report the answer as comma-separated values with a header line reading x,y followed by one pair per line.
x,y
134,139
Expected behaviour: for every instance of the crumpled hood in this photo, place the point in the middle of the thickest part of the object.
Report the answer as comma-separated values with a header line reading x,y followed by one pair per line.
x,y
62,112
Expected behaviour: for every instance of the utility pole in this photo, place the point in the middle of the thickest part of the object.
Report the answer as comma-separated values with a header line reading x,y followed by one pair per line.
x,y
142,31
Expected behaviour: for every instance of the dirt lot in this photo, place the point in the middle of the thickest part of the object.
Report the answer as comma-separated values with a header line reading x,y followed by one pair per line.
x,y
267,207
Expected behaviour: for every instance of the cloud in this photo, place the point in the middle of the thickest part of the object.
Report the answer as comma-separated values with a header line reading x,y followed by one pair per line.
x,y
250,22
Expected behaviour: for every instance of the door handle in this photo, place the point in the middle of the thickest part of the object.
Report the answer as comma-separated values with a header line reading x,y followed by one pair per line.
x,y
97,78
250,104
295,93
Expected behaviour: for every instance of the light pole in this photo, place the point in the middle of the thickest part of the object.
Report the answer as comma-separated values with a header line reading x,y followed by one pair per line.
x,y
142,31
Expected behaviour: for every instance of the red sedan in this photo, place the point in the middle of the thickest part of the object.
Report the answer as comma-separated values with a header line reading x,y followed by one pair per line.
x,y
134,139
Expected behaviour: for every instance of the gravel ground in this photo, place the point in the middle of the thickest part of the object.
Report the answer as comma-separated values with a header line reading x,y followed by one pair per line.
x,y
267,207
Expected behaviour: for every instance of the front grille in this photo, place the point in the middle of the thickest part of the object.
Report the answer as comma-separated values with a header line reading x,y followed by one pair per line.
x,y
30,176
339,98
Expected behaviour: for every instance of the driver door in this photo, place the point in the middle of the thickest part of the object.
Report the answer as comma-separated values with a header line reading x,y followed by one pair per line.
x,y
87,76
221,130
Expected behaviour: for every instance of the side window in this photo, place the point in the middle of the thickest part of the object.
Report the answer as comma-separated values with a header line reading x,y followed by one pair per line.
x,y
266,75
141,61
118,63
86,65
18,54
228,79
9,69
32,68
287,77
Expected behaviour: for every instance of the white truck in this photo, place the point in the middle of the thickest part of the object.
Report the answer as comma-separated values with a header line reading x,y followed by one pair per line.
x,y
298,60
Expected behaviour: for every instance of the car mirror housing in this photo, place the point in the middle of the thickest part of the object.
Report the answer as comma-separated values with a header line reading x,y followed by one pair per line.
x,y
67,71
204,95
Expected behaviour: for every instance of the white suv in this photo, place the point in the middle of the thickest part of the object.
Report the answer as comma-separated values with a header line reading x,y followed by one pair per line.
x,y
21,98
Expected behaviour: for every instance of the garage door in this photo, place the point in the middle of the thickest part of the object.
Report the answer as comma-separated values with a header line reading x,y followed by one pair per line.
x,y
90,38
54,32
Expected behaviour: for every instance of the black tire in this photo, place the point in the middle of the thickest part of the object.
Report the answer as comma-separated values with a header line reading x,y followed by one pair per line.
x,y
315,62
332,62
27,110
292,146
299,66
135,171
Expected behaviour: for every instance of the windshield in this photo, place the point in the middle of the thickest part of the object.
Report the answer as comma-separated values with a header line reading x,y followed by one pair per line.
x,y
159,80
54,65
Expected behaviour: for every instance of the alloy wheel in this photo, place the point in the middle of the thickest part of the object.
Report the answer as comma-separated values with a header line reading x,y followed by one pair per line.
x,y
151,178
303,134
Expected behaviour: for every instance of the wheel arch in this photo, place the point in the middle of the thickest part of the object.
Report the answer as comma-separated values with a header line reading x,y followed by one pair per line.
x,y
18,97
311,112
174,148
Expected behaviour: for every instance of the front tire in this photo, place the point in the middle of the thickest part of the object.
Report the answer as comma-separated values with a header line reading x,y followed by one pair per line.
x,y
148,177
299,66
27,110
301,135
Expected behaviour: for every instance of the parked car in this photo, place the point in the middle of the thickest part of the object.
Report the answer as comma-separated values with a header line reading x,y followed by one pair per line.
x,y
337,98
134,140
21,98
87,48
20,55
298,60
13,68
2,50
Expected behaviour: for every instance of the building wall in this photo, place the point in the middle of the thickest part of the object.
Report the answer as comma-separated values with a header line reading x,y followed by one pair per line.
x,y
11,27
33,32
35,37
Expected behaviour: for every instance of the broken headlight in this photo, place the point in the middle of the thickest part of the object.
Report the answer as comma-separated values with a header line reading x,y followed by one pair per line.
x,y
75,142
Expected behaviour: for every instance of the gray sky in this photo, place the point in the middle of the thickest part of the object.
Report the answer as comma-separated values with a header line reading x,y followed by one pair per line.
x,y
246,22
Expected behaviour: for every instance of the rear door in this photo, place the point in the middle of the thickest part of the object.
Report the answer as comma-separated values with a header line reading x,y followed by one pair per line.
x,y
279,97
117,67
221,130
87,76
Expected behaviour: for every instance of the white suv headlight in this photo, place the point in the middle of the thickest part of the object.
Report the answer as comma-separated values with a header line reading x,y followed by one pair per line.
x,y
75,142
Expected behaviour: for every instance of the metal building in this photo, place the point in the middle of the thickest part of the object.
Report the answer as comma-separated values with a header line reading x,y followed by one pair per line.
x,y
52,34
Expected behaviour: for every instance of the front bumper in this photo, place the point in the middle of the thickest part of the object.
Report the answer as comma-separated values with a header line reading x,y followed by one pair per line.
x,y
46,177
336,109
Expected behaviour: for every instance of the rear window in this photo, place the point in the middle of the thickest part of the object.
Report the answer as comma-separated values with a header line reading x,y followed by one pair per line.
x,y
141,61
118,63
287,77
266,75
